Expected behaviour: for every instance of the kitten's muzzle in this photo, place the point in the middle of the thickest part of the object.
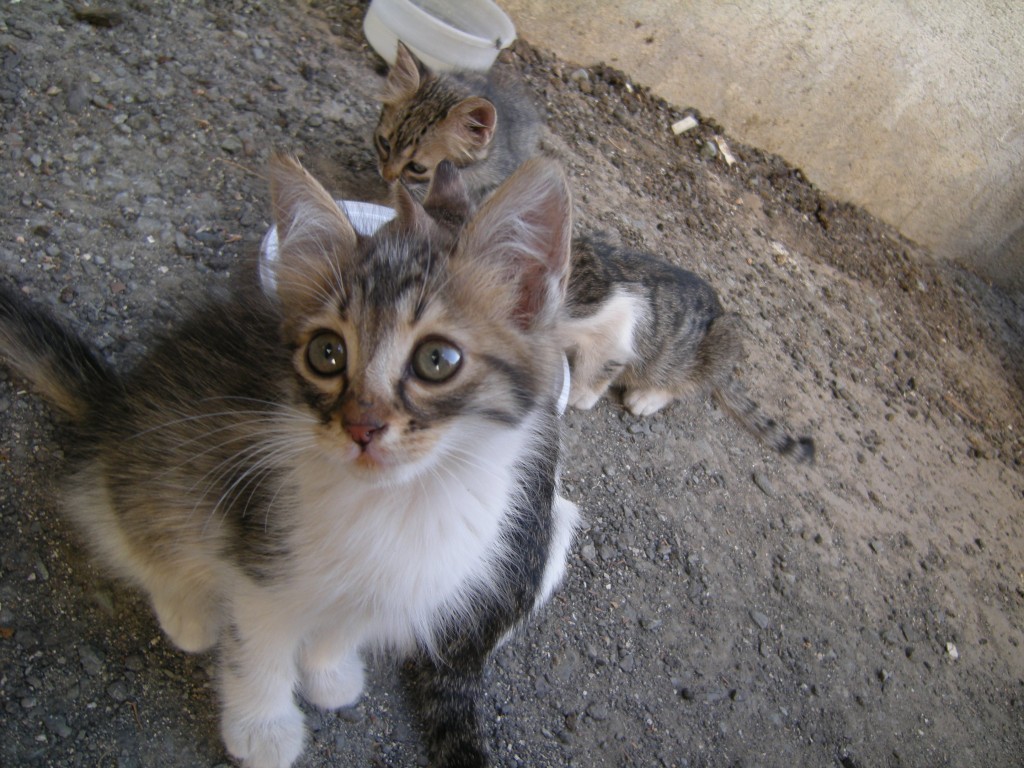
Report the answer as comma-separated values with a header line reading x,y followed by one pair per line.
x,y
363,433
363,420
390,172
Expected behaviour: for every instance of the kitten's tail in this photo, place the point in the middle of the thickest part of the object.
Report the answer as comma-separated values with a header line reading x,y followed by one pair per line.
x,y
57,363
720,349
748,413
445,697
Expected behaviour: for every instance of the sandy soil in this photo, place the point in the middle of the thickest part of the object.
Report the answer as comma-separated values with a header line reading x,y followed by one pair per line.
x,y
724,607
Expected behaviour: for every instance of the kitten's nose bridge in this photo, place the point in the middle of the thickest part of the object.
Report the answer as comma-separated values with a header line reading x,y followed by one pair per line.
x,y
363,421
390,171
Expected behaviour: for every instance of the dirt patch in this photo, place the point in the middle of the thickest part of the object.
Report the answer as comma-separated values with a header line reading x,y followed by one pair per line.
x,y
723,607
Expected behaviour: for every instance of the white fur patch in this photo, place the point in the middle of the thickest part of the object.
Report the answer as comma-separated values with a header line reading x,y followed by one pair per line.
x,y
644,402
182,586
378,561
602,338
376,564
385,564
566,518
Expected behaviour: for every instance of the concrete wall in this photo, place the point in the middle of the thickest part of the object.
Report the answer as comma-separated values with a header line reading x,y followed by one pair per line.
x,y
913,109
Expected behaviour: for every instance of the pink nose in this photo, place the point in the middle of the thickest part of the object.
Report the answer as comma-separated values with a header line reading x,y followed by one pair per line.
x,y
363,434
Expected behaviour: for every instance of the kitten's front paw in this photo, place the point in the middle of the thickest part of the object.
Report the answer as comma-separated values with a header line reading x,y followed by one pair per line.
x,y
335,687
646,401
274,743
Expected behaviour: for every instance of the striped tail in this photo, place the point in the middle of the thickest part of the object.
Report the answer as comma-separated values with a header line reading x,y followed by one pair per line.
x,y
57,363
748,413
445,697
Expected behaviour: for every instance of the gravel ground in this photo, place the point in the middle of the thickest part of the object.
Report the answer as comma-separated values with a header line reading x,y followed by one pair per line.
x,y
723,607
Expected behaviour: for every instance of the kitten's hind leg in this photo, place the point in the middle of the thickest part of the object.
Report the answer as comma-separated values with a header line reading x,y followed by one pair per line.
x,y
181,584
644,402
189,616
590,379
583,397
331,671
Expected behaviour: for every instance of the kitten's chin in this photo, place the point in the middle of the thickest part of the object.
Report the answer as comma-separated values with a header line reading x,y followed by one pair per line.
x,y
381,469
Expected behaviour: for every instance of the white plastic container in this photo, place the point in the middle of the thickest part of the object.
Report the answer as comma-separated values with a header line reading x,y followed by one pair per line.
x,y
366,218
444,34
563,393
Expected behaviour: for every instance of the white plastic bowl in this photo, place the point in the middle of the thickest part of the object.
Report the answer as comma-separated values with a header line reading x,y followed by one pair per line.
x,y
444,34
563,393
366,219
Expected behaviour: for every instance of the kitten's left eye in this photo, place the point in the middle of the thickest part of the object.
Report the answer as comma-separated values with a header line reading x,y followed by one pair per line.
x,y
383,146
416,169
436,360
326,354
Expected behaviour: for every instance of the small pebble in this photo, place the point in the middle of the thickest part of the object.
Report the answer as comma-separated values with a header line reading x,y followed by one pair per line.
x,y
582,79
59,725
92,662
762,482
232,145
118,691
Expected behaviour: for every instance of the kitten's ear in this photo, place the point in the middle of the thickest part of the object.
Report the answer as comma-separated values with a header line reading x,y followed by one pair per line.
x,y
521,240
443,213
475,119
404,77
409,214
314,236
447,201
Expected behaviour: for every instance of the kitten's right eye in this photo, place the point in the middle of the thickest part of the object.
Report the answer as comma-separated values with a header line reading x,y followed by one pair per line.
x,y
383,146
436,360
416,169
326,354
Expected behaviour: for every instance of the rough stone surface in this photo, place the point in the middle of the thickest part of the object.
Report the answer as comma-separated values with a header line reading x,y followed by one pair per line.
x,y
904,108
703,622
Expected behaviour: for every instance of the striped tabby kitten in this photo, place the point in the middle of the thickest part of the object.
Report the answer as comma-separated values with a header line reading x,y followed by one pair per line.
x,y
367,462
659,332
484,123
633,319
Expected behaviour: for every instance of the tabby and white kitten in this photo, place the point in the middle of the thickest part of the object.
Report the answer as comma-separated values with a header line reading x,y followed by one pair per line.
x,y
659,332
368,461
632,319
484,123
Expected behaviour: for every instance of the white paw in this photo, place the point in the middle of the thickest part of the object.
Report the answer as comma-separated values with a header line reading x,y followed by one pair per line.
x,y
646,401
273,743
335,687
191,630
583,399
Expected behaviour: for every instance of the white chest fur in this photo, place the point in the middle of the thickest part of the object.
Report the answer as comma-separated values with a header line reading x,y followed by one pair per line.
x,y
391,560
